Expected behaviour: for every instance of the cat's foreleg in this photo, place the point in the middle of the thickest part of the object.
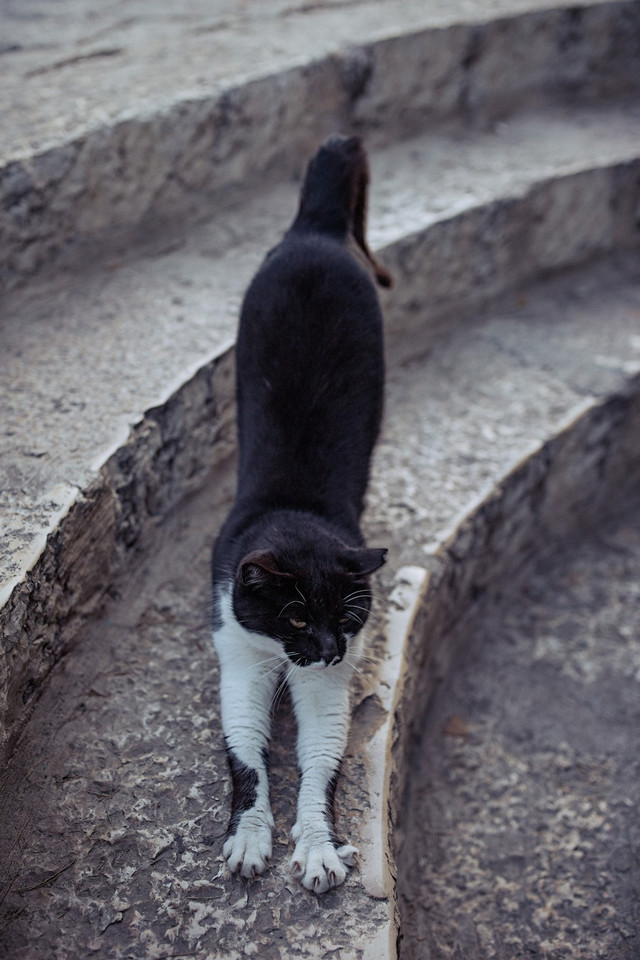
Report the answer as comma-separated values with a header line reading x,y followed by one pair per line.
x,y
245,706
248,679
321,703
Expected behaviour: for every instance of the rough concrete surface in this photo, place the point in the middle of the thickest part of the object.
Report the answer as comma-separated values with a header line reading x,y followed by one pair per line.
x,y
73,65
466,408
155,315
89,358
117,799
158,148
85,357
95,426
114,804
520,830
144,130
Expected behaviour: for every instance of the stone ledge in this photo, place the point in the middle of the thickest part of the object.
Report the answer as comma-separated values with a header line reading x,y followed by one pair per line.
x,y
544,500
70,569
534,500
50,589
562,488
60,205
461,219
467,261
424,609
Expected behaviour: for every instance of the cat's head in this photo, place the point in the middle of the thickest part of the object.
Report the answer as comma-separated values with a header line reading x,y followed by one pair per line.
x,y
311,599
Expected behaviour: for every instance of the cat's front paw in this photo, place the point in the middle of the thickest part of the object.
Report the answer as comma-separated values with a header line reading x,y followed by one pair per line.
x,y
319,864
248,850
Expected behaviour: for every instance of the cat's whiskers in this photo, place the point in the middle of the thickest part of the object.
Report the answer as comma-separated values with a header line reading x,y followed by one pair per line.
x,y
357,595
278,695
228,572
355,606
372,659
260,663
376,617
277,661
241,620
288,605
275,702
354,665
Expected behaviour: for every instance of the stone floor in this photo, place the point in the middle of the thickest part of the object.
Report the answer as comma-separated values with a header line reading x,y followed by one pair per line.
x,y
521,828
116,808
113,808
74,65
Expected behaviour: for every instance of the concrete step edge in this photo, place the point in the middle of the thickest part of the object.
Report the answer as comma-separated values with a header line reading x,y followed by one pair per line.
x,y
63,575
537,499
59,206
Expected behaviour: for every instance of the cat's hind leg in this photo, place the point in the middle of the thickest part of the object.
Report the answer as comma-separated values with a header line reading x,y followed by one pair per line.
x,y
248,678
321,703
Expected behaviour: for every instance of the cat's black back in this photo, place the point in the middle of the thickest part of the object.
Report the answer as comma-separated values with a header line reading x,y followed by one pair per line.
x,y
309,358
310,380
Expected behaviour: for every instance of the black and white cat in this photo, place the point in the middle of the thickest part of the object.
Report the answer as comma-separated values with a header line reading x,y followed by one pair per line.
x,y
290,567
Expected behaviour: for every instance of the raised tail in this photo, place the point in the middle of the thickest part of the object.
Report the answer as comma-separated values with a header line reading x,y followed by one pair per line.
x,y
333,199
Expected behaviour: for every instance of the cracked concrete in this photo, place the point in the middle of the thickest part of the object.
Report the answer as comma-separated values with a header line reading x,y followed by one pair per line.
x,y
520,835
135,443
512,418
115,802
168,117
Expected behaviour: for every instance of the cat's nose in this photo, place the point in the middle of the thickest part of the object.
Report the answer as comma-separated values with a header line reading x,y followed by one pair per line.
x,y
329,649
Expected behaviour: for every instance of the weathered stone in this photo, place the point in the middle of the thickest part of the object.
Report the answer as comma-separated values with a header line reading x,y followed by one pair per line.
x,y
521,829
151,158
506,434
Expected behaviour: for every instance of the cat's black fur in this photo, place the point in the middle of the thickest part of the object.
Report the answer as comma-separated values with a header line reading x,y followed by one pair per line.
x,y
310,377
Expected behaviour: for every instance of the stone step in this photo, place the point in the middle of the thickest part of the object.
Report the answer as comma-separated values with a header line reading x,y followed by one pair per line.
x,y
113,123
117,382
500,435
510,433
522,805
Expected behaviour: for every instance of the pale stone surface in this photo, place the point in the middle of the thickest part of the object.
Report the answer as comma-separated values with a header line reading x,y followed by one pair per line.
x,y
273,87
123,763
115,844
402,608
167,455
484,396
74,66
63,424
114,804
144,327
520,821
142,324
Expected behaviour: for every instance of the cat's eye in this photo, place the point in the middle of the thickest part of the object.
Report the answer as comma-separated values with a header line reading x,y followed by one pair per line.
x,y
298,624
344,620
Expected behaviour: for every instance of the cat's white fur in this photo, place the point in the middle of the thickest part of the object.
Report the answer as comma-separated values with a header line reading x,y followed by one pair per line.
x,y
251,665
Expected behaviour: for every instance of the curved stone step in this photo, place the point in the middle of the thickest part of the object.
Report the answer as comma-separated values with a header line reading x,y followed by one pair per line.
x,y
84,518
113,123
125,410
520,815
472,474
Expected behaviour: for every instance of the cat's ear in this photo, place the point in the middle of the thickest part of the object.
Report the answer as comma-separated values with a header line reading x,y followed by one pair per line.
x,y
364,560
260,568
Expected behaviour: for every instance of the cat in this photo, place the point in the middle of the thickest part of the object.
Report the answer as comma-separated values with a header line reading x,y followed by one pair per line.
x,y
290,566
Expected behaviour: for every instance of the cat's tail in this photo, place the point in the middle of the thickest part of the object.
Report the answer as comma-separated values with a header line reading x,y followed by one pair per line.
x,y
333,199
